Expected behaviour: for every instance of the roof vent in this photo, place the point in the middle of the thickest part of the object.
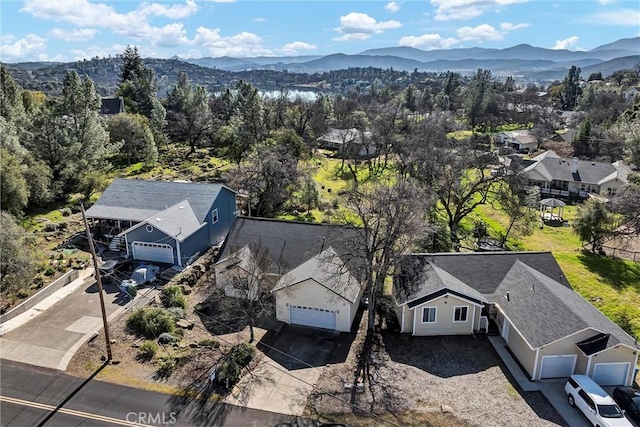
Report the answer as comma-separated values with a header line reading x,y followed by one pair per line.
x,y
158,219
181,207
593,163
507,296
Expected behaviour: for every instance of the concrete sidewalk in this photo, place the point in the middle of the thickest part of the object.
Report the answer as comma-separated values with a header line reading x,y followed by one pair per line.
x,y
49,334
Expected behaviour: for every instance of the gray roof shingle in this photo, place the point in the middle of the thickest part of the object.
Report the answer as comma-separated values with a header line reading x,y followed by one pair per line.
x,y
137,199
178,221
291,243
541,305
326,269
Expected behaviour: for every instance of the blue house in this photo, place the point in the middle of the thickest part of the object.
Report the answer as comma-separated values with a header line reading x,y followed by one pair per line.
x,y
163,222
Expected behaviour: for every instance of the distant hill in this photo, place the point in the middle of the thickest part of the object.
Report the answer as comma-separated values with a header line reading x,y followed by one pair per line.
x,y
632,44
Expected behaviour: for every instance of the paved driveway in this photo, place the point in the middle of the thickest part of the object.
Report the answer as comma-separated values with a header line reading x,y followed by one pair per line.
x,y
51,338
288,371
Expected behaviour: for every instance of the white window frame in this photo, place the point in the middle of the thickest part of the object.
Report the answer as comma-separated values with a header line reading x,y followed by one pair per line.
x,y
466,317
214,216
435,315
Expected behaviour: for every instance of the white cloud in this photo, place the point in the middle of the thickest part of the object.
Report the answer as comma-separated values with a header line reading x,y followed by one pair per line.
x,y
624,17
259,19
22,49
568,43
507,26
605,1
71,35
176,11
240,45
427,42
481,33
360,26
293,48
170,35
392,7
467,9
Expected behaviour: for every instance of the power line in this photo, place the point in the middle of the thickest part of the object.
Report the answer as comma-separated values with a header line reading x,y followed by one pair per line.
x,y
285,371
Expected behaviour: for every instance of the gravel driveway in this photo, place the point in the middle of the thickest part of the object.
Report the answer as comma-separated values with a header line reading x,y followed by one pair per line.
x,y
441,380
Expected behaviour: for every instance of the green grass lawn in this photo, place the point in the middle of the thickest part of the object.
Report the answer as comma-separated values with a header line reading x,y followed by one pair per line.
x,y
611,284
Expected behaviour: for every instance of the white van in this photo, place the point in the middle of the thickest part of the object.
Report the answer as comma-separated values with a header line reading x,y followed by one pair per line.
x,y
599,408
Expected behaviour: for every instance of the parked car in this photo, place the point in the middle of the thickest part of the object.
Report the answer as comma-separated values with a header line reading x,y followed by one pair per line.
x,y
629,399
600,409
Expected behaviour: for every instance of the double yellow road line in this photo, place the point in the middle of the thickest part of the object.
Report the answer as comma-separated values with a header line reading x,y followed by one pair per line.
x,y
72,412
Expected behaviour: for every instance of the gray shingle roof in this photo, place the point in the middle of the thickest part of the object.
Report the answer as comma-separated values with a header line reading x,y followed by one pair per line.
x,y
178,221
291,243
112,106
137,199
552,167
423,279
327,269
544,311
541,305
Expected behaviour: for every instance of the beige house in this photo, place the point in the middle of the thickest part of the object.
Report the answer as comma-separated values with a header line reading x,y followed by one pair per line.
x,y
312,270
524,297
573,177
321,293
521,140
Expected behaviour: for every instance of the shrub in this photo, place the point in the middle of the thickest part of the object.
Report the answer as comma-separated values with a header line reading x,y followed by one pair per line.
x,y
177,312
209,342
151,321
167,338
166,365
229,371
172,296
148,350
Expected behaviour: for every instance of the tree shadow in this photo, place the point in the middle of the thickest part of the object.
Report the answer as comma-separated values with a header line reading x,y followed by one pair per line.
x,y
618,273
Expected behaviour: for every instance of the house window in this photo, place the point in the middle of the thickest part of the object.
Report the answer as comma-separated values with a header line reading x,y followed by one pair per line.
x,y
214,216
149,228
611,191
429,314
460,313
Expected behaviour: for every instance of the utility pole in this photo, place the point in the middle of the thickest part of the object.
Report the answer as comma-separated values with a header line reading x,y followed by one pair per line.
x,y
99,281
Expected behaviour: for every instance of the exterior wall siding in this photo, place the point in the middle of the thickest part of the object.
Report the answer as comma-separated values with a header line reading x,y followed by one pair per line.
x,y
196,243
225,203
521,350
444,324
567,345
311,294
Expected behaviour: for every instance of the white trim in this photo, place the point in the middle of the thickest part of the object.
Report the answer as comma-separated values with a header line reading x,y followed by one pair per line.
x,y
626,377
216,215
473,319
573,367
415,320
442,296
506,324
609,348
570,335
535,365
402,316
149,228
455,307
126,244
435,317
589,359
636,364
178,253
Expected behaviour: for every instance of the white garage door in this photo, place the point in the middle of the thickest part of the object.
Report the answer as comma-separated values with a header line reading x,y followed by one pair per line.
x,y
557,366
611,373
156,252
316,317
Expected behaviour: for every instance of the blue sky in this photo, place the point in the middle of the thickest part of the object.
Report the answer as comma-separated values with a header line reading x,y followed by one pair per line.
x,y
65,30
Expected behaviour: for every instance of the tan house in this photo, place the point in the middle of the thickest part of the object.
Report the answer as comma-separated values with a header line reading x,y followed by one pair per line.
x,y
573,177
524,296
521,140
348,142
313,268
321,292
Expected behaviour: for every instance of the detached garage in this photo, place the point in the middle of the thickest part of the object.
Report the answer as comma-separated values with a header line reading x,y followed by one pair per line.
x,y
319,293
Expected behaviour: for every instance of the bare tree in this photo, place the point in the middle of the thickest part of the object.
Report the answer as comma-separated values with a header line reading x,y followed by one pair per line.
x,y
519,206
244,277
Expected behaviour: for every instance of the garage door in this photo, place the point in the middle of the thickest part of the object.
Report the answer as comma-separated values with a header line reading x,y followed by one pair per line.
x,y
309,316
156,252
557,366
611,373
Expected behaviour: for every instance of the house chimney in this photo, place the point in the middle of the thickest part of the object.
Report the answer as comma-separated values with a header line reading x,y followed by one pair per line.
x,y
574,165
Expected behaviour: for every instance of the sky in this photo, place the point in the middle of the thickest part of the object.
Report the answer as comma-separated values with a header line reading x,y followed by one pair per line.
x,y
69,30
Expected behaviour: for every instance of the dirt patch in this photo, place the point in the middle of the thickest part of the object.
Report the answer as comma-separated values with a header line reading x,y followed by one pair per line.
x,y
193,360
432,381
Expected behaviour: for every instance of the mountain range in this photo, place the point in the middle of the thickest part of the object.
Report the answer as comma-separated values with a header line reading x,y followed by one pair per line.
x,y
521,60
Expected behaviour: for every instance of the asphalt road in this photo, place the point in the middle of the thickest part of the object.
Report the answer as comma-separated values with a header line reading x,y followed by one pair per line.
x,y
32,396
